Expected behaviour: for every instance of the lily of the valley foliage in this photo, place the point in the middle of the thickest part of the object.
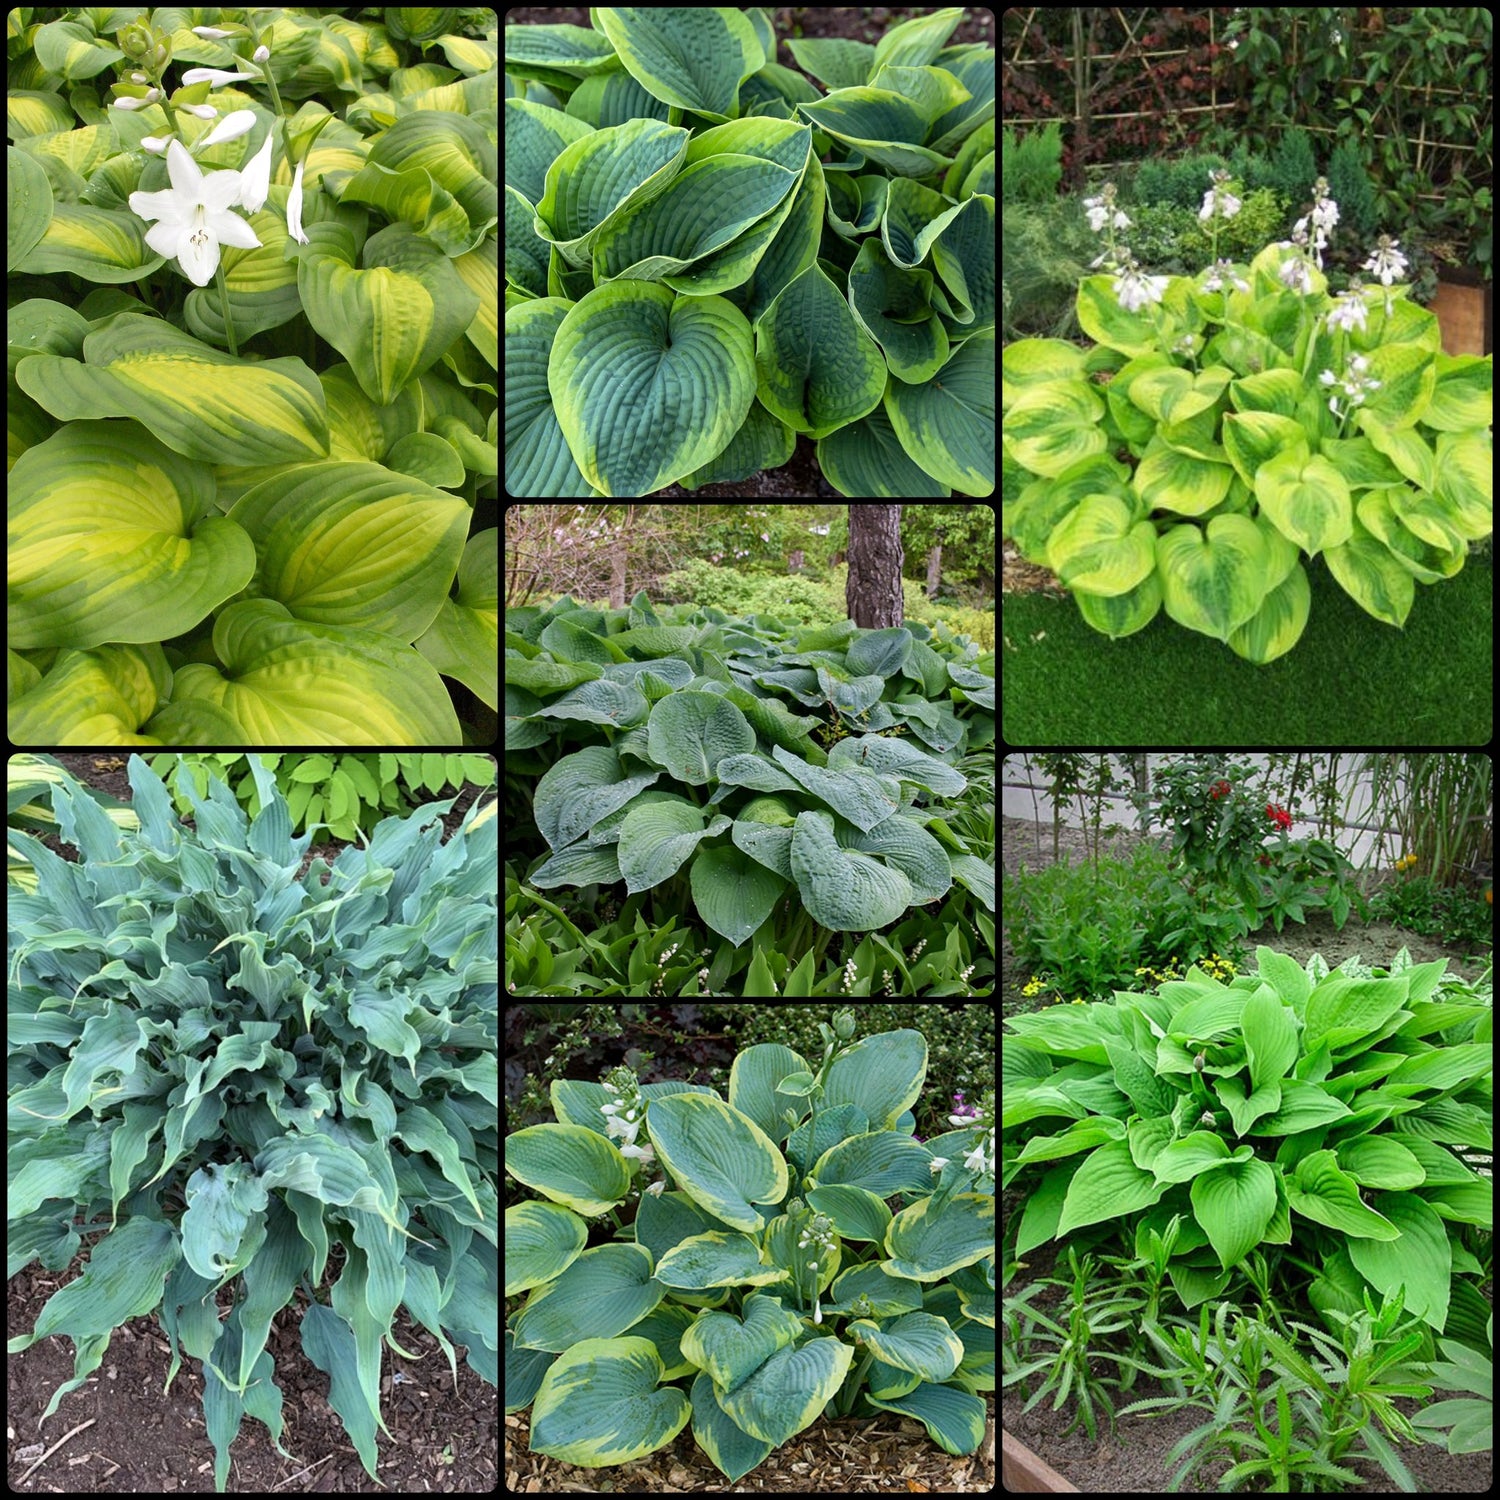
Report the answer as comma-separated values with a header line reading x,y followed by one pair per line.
x,y
705,256
231,1079
765,1268
254,339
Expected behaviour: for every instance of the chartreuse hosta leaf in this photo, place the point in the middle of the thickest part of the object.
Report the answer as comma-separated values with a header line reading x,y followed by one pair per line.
x,y
112,537
198,400
464,640
332,537
105,696
293,681
392,319
648,386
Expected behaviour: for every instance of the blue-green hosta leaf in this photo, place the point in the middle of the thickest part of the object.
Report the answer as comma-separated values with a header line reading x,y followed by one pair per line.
x,y
690,733
694,57
220,1203
354,544
394,318
648,386
581,789
200,401
947,425
788,1392
817,368
605,1291
292,681
861,795
599,1404
919,1342
113,538
885,125
722,1160
657,839
843,890
731,1349
954,1418
733,894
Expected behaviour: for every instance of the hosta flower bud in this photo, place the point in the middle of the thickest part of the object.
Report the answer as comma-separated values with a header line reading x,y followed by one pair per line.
x,y
843,1024
1199,1061
1206,1118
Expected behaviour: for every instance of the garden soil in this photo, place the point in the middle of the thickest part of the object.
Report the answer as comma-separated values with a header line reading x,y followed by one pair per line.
x,y
1132,1457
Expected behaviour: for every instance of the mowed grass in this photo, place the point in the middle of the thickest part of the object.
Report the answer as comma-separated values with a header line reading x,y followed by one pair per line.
x,y
1350,680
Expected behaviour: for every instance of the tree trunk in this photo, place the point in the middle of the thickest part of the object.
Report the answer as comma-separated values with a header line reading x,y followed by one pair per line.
x,y
873,593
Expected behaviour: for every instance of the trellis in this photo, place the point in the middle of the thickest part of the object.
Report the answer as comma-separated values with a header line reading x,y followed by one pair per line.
x,y
1136,23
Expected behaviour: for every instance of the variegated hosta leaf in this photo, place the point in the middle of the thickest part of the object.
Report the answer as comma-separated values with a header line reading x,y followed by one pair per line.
x,y
818,369
355,544
294,682
198,400
947,425
112,537
694,57
648,386
394,318
464,640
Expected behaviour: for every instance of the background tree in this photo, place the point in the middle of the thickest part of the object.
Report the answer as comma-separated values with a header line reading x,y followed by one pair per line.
x,y
873,592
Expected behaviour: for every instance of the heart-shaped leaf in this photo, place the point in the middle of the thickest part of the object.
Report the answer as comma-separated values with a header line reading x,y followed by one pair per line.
x,y
648,386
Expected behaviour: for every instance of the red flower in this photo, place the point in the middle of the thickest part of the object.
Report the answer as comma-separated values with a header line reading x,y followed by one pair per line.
x,y
1217,790
1278,815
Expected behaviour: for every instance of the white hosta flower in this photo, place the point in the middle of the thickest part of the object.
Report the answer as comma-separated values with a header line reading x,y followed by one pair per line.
x,y
937,1164
1135,289
216,76
1348,312
640,1153
201,111
1388,263
656,1188
193,216
236,123
294,208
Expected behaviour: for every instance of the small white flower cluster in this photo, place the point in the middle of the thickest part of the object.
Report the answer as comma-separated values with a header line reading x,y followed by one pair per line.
x,y
817,1237
1355,384
623,1121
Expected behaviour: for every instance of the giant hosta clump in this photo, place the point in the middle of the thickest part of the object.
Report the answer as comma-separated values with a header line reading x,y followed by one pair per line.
x,y
227,1074
705,256
1327,1112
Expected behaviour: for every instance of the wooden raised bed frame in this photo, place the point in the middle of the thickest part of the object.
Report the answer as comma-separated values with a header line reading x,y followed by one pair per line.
x,y
1022,1472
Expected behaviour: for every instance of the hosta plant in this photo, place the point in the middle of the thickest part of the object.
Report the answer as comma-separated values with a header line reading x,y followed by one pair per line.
x,y
765,1278
1326,1112
253,340
743,768
239,1084
1249,421
706,255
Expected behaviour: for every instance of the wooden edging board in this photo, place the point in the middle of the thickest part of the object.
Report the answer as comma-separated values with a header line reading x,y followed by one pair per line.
x,y
1022,1472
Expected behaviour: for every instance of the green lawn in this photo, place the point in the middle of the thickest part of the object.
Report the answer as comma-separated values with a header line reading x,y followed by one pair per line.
x,y
1350,680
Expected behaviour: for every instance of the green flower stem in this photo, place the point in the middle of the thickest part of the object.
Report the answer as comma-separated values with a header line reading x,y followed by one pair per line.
x,y
224,303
